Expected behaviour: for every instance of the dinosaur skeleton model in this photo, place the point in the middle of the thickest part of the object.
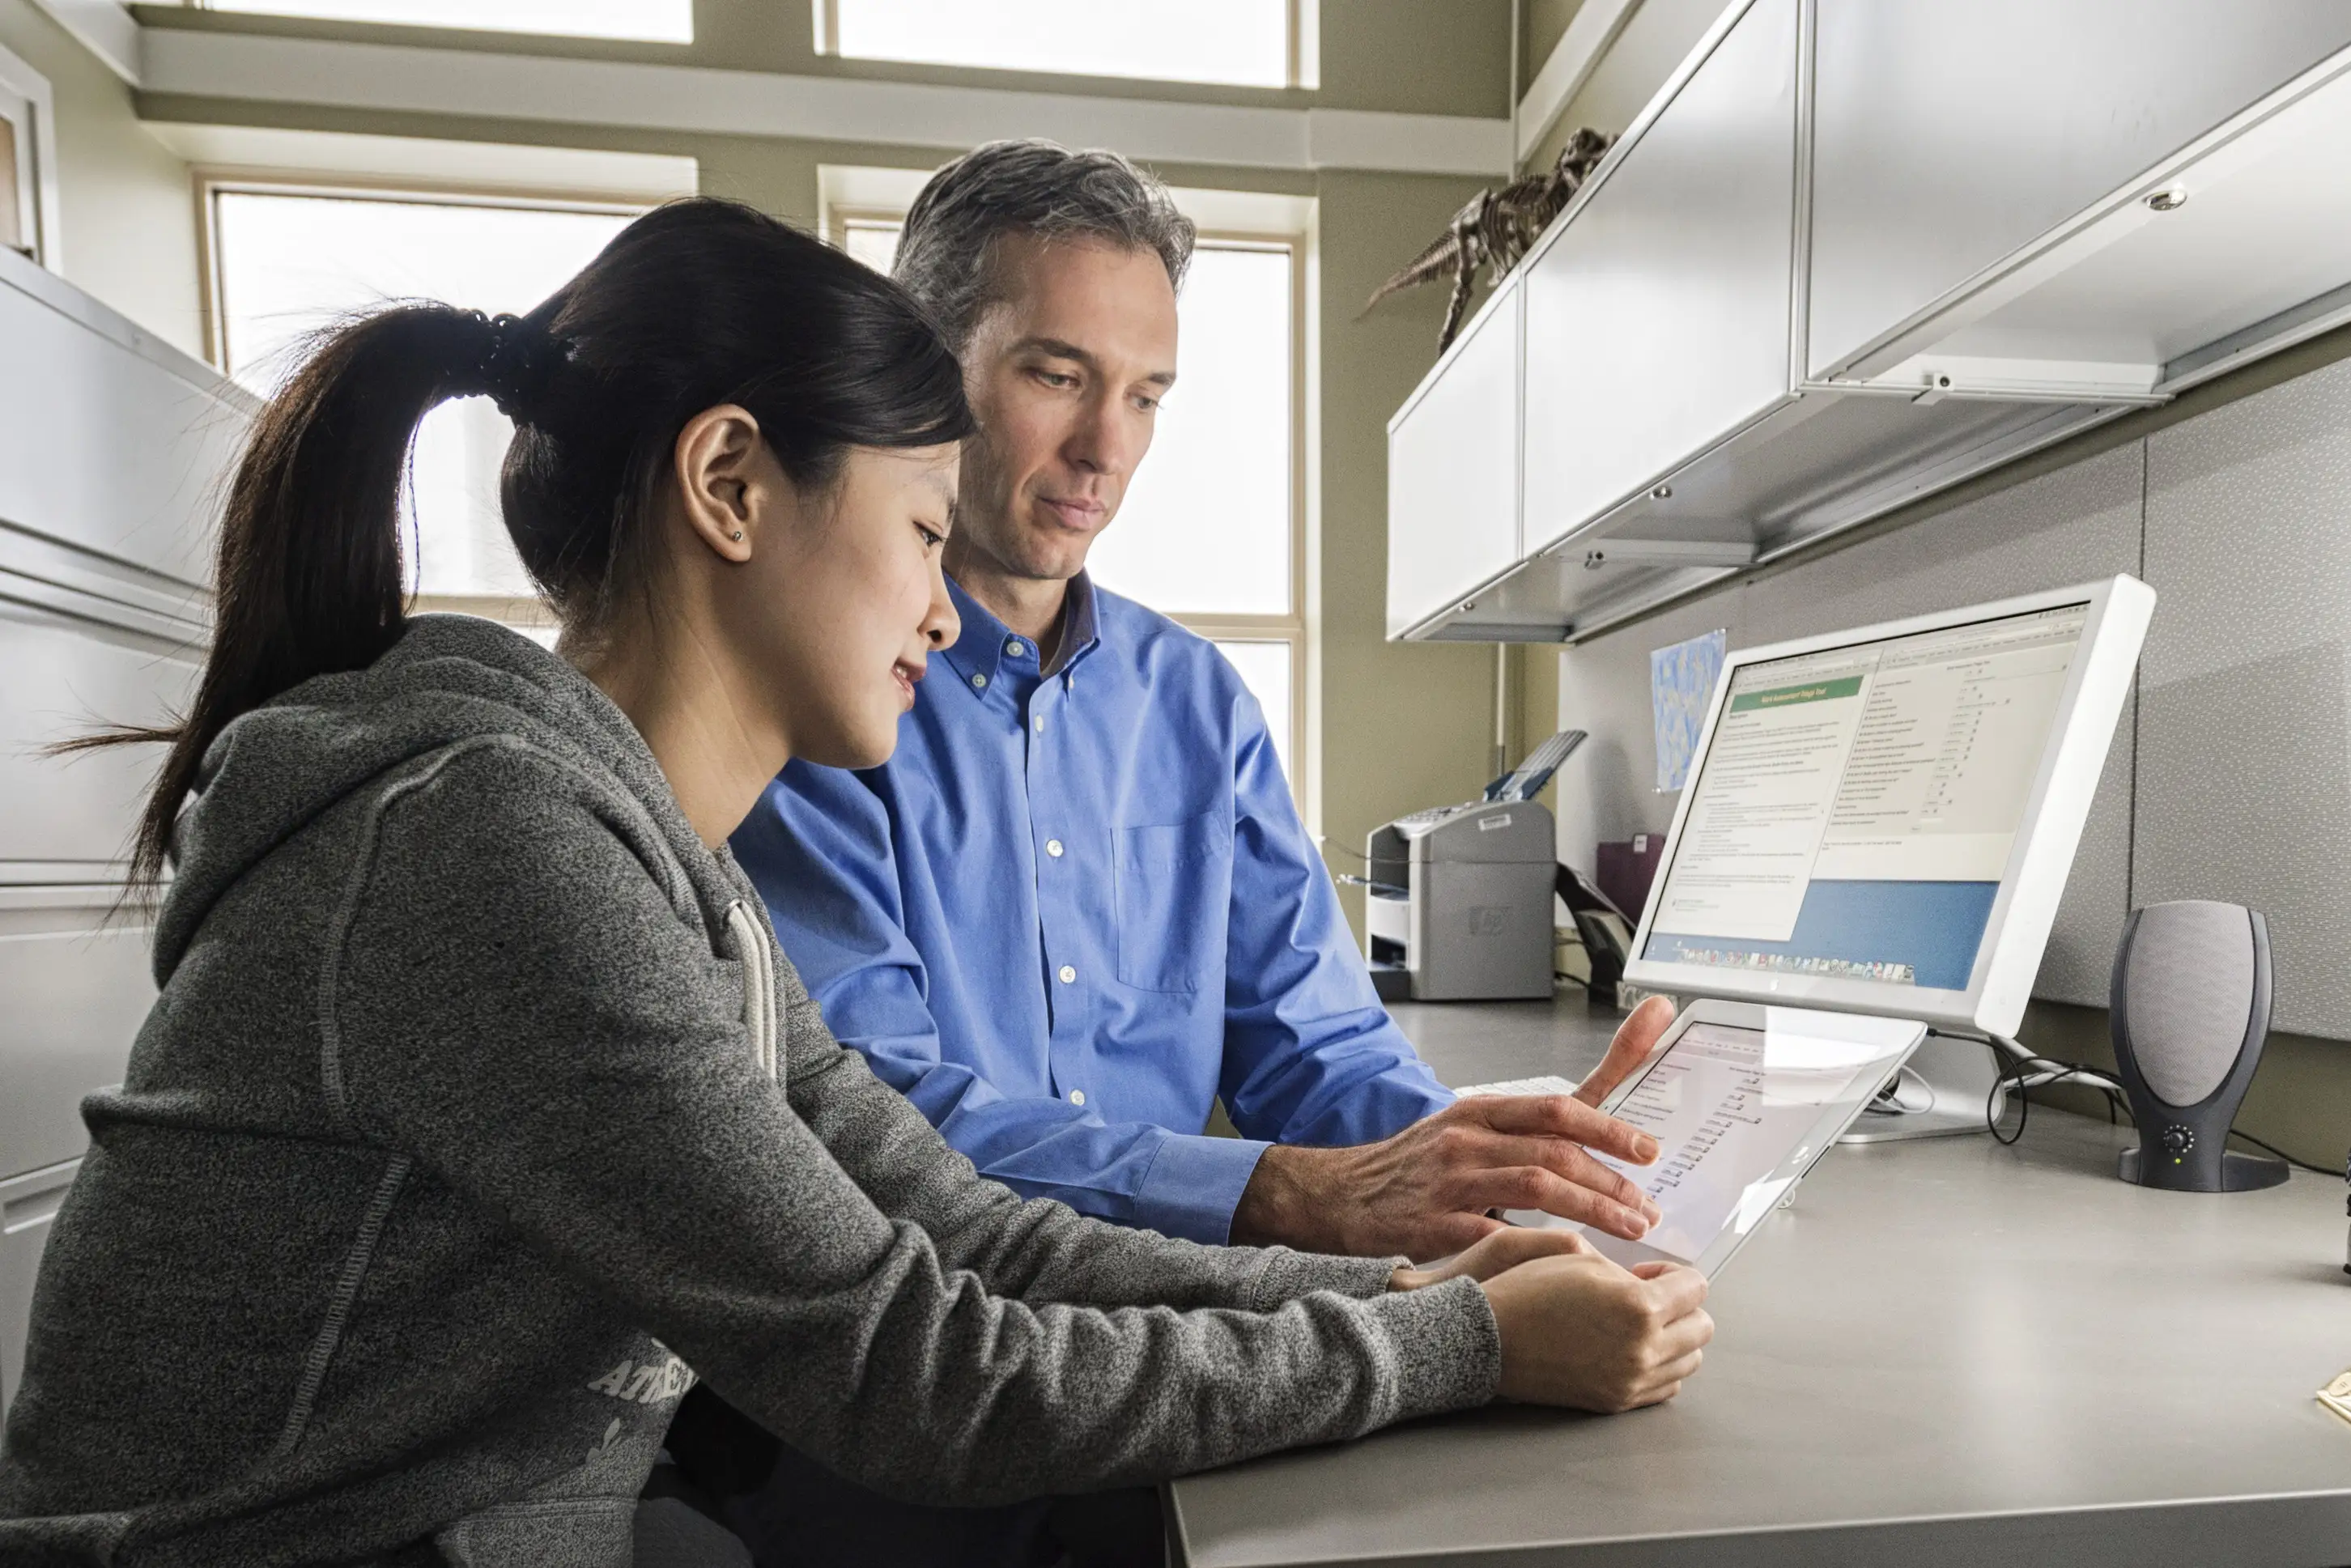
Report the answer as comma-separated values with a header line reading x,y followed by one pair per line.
x,y
1498,228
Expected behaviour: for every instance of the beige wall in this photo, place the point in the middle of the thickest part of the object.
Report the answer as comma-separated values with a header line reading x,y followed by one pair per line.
x,y
1542,25
129,214
1405,725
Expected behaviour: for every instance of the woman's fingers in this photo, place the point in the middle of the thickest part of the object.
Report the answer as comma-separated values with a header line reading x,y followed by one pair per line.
x,y
1666,1381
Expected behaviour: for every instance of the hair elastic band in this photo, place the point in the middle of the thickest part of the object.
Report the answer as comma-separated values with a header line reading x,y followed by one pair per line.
x,y
519,359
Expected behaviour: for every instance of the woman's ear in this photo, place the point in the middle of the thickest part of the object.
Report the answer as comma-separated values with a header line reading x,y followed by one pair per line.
x,y
722,489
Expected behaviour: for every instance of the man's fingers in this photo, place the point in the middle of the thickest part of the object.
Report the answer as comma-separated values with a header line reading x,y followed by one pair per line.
x,y
1500,1150
1535,1187
1636,1038
1564,1116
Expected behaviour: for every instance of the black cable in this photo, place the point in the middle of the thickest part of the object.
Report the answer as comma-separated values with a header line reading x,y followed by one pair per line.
x,y
2023,1105
2273,1148
2012,1076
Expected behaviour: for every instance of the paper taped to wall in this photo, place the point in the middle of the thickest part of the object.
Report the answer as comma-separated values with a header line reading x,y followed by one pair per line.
x,y
1681,683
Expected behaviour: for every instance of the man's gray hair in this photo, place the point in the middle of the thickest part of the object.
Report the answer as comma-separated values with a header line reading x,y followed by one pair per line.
x,y
946,252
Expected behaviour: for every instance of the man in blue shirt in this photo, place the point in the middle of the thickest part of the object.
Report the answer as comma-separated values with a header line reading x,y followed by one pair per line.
x,y
1077,906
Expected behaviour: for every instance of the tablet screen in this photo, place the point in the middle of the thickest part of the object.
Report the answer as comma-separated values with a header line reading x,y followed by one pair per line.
x,y
1739,1114
1727,1106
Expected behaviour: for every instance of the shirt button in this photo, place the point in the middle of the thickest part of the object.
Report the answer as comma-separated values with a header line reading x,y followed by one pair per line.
x,y
1053,848
1077,1096
1037,724
1014,648
1069,974
979,682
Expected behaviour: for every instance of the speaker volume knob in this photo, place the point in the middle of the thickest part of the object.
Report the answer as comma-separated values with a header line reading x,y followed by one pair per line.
x,y
2179,1140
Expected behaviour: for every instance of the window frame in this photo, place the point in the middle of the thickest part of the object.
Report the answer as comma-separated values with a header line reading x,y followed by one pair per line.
x,y
644,38
1301,50
521,612
35,129
1290,627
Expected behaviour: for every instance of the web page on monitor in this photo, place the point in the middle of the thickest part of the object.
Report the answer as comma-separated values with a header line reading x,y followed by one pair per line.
x,y
1856,807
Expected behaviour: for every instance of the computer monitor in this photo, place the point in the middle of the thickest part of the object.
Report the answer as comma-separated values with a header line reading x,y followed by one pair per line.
x,y
1882,820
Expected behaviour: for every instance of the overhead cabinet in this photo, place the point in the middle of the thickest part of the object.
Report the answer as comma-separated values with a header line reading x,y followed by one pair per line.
x,y
1856,253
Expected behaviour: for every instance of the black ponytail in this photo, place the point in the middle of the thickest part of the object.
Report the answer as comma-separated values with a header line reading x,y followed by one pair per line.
x,y
698,303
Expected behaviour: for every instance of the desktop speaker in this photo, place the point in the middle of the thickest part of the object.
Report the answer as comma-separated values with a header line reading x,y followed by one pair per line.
x,y
2190,1009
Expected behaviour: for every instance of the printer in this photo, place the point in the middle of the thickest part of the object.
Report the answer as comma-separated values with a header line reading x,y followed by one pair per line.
x,y
1458,899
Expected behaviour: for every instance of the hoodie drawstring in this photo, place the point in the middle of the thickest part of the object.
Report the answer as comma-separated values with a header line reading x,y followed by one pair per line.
x,y
752,950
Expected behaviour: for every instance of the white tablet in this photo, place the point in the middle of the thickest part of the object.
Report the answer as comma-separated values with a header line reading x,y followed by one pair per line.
x,y
1741,1099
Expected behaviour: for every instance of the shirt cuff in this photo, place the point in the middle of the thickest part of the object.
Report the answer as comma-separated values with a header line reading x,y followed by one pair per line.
x,y
1194,1184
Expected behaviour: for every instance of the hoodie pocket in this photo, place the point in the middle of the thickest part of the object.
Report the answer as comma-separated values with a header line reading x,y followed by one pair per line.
x,y
1174,881
571,1532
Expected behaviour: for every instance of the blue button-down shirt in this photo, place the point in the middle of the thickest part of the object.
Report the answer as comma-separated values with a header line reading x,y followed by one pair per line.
x,y
1077,907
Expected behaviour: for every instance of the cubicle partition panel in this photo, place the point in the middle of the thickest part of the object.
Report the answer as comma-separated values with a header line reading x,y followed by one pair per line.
x,y
114,448
2244,777
2231,776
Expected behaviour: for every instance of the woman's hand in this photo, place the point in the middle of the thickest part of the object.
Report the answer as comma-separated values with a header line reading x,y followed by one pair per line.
x,y
1579,1330
1491,1255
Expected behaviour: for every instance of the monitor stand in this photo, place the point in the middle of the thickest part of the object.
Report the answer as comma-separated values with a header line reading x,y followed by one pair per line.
x,y
1940,1093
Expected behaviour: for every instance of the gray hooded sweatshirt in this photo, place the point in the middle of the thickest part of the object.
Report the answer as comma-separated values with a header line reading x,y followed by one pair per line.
x,y
479,1116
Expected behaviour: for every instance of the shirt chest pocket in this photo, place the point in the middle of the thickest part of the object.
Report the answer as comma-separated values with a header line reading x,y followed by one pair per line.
x,y
1174,883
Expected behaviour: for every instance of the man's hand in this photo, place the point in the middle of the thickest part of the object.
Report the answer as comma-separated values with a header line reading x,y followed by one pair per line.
x,y
1426,1192
1636,1038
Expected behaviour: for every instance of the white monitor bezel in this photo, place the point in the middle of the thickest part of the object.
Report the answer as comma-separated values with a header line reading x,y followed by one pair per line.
x,y
2025,908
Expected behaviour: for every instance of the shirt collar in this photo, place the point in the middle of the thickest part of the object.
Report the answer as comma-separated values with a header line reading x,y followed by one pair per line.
x,y
1080,629
980,652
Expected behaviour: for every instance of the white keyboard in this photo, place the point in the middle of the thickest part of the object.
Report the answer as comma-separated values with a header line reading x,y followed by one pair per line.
x,y
1521,1086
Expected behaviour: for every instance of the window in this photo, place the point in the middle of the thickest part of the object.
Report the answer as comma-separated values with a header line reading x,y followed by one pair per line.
x,y
656,21
285,263
15,179
1249,43
871,240
28,176
1212,531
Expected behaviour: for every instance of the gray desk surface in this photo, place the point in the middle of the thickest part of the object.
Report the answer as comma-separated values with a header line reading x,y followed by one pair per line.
x,y
1947,1351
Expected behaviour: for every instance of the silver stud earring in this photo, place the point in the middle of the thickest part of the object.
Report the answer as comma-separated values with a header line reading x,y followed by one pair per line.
x,y
738,536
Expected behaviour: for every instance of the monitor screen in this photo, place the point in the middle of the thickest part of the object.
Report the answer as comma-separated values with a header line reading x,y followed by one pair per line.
x,y
1854,810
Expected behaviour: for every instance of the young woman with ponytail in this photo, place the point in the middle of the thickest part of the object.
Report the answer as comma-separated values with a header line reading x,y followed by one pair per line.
x,y
479,1116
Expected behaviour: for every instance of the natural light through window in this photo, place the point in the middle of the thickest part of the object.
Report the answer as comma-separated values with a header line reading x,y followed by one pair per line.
x,y
1266,669
655,21
288,265
873,241
1243,42
1205,530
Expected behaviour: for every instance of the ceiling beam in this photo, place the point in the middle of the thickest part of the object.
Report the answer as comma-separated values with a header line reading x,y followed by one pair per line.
x,y
480,85
105,27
